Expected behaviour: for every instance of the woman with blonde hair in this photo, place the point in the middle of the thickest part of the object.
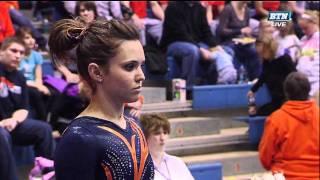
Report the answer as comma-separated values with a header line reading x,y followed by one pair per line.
x,y
309,61
274,71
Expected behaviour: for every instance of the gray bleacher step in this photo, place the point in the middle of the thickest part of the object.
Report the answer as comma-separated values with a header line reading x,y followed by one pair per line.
x,y
233,163
226,116
194,126
228,140
167,106
174,109
154,94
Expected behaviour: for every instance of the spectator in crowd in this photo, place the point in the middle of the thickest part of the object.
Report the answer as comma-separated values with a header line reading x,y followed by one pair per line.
x,y
109,9
290,141
54,10
20,20
148,16
78,101
214,8
87,10
157,129
109,57
154,20
15,126
288,42
308,63
187,38
31,67
6,26
296,8
274,71
234,23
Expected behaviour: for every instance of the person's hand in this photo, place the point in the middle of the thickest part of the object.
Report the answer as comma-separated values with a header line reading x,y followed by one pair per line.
x,y
250,94
135,112
9,124
43,89
246,31
205,53
72,78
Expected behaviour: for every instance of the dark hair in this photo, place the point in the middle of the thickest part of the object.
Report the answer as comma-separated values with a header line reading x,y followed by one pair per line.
x,y
297,87
21,33
95,42
151,123
8,41
89,5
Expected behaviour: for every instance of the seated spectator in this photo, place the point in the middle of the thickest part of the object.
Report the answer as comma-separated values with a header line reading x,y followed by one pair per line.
x,y
187,38
234,23
154,20
87,10
274,71
290,141
214,8
288,42
54,10
15,126
156,129
227,74
31,67
308,63
296,8
147,16
6,26
109,9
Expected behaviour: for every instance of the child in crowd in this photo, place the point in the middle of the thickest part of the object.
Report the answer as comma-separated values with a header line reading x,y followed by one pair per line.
x,y
157,129
290,141
288,41
31,67
227,74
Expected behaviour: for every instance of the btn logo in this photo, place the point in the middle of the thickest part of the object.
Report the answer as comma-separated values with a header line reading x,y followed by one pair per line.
x,y
279,18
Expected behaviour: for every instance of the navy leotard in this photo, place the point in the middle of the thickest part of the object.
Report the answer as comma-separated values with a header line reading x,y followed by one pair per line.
x,y
93,148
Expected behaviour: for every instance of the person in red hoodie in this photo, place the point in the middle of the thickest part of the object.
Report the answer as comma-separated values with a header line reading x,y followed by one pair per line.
x,y
290,143
6,26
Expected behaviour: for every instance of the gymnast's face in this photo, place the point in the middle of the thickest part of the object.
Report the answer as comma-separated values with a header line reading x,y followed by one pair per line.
x,y
122,81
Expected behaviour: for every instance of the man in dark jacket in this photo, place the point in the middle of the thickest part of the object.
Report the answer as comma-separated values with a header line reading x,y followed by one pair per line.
x,y
15,126
187,38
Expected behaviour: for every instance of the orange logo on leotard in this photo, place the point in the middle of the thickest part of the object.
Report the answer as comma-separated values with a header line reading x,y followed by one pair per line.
x,y
132,149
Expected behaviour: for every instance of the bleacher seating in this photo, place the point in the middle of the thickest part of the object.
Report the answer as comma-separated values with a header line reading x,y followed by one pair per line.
x,y
226,96
207,171
256,127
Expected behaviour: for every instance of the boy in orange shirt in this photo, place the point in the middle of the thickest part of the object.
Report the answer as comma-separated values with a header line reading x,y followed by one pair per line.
x,y
290,143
